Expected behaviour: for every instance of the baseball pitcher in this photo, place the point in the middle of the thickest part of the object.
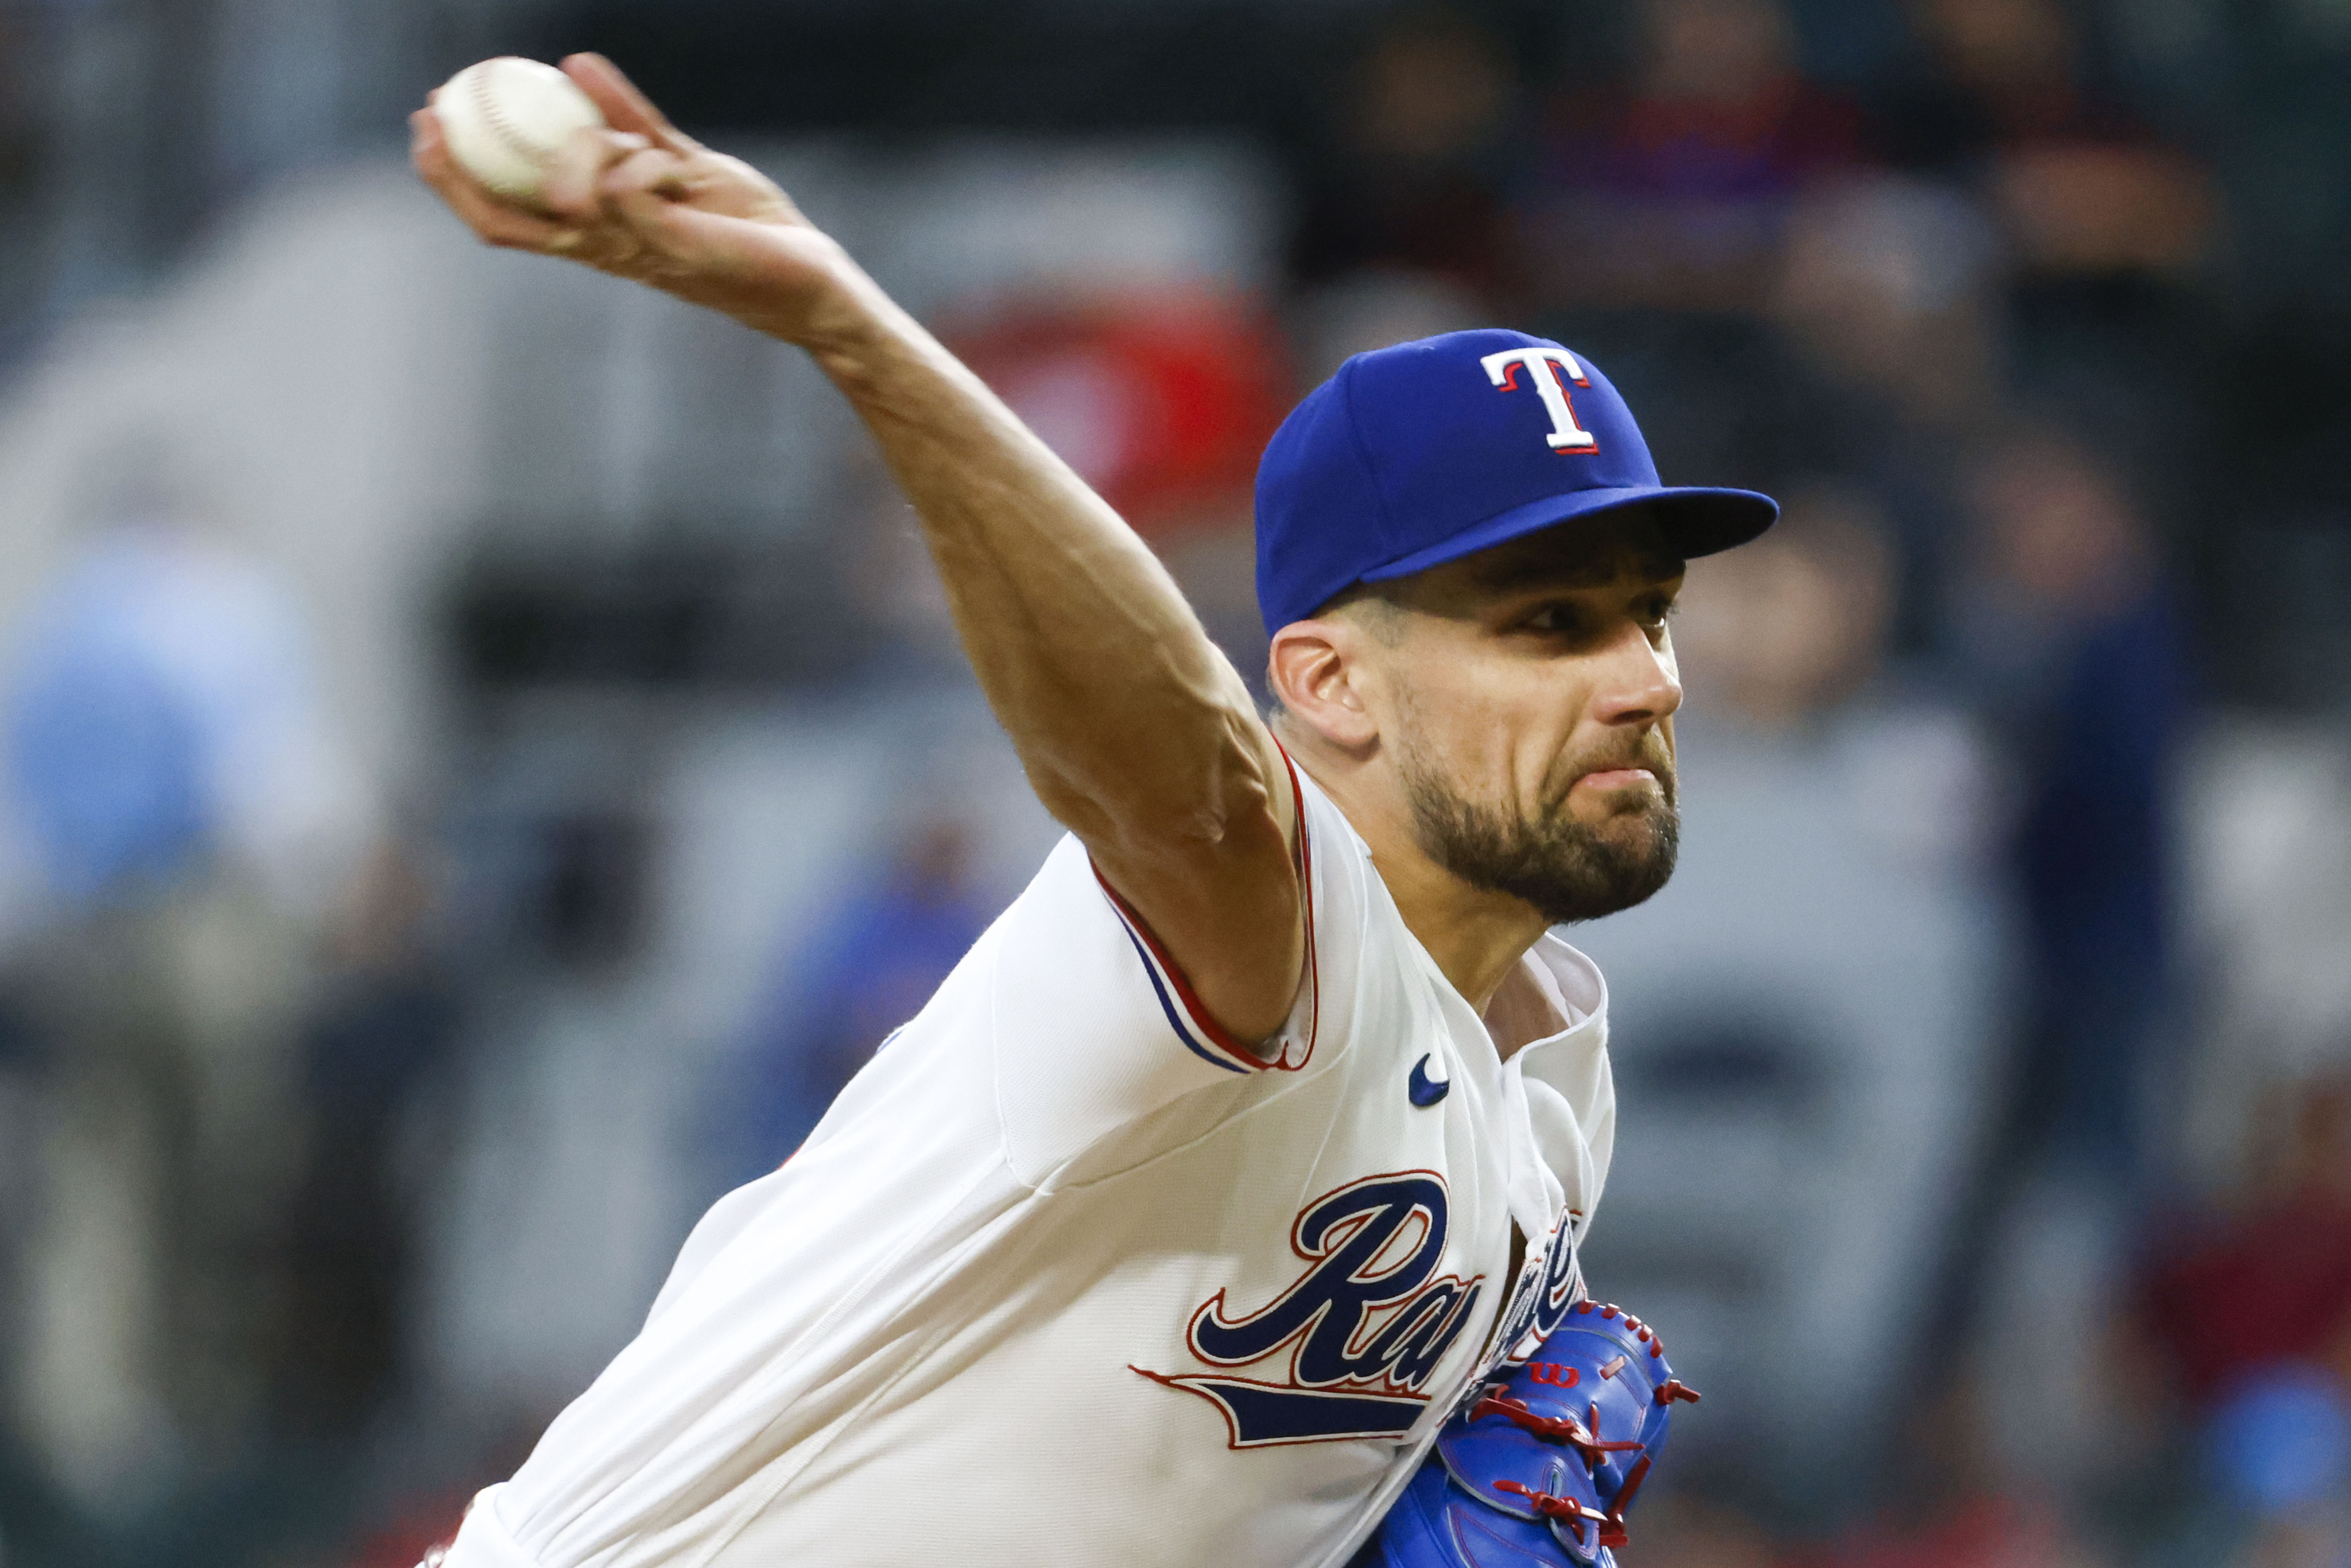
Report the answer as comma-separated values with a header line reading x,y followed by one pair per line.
x,y
1223,1203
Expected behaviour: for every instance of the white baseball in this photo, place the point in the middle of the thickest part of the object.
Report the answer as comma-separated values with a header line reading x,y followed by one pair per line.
x,y
504,120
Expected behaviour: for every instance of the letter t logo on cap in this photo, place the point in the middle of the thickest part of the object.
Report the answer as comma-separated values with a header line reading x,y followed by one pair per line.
x,y
1545,364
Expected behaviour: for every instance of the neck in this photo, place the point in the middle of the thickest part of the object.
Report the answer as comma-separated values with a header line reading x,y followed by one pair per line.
x,y
1476,935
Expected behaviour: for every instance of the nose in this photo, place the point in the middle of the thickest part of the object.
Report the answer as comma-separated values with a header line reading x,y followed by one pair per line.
x,y
1640,684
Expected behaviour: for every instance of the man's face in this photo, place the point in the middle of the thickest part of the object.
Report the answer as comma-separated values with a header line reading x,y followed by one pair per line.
x,y
1528,693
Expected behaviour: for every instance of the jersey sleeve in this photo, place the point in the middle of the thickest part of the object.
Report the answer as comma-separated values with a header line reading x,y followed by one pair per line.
x,y
1096,1029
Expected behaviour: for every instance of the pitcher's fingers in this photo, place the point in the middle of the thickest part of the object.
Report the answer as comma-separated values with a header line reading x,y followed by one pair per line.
x,y
684,238
649,195
497,222
655,170
568,188
624,107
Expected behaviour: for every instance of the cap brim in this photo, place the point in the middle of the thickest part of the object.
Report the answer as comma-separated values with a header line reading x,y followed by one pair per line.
x,y
1696,520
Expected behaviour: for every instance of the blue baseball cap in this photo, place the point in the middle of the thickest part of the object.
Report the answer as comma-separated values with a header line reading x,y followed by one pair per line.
x,y
1425,451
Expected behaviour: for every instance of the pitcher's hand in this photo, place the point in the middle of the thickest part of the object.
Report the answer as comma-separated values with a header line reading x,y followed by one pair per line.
x,y
642,199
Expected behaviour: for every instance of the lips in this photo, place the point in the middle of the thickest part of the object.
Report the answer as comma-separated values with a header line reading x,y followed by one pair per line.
x,y
1644,768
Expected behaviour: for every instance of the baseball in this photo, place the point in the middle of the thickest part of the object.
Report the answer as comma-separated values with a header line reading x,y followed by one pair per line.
x,y
506,118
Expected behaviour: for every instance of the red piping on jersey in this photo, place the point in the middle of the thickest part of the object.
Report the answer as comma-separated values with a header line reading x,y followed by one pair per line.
x,y
1306,888
1217,1033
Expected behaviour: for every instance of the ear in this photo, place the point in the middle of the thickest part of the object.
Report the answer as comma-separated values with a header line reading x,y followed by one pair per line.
x,y
1321,671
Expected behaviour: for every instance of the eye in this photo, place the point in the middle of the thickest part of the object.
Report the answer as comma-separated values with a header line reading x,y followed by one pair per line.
x,y
1555,618
1657,610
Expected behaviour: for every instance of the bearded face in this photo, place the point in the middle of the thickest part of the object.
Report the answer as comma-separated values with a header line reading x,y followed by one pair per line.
x,y
1567,868
1521,701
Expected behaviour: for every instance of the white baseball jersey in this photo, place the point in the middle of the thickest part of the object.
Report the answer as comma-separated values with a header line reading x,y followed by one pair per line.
x,y
1067,1277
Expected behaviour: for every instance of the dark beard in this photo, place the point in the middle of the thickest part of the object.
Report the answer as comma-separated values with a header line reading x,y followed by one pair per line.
x,y
1567,871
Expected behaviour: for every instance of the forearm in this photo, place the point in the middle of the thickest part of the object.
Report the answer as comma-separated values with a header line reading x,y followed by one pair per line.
x,y
1124,712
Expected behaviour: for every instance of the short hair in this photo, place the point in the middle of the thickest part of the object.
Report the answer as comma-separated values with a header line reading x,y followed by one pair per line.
x,y
1383,614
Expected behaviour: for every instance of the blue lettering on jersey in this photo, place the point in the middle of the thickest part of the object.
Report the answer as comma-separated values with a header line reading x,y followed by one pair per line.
x,y
1362,1328
1550,1281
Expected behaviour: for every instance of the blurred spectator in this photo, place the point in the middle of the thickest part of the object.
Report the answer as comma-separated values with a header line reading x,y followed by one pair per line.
x,y
381,1029
1794,627
2237,1347
164,709
875,961
1787,644
1670,191
2072,640
1414,159
2083,186
188,811
2068,642
2104,220
2268,1287
1882,290
1885,300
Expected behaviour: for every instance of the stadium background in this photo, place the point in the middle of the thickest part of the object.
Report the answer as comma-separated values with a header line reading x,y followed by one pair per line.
x,y
481,754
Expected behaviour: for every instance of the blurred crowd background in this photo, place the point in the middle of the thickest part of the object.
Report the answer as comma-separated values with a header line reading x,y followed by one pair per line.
x,y
483,758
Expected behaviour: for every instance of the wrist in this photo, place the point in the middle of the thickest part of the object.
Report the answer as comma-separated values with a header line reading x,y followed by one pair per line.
x,y
853,330
823,301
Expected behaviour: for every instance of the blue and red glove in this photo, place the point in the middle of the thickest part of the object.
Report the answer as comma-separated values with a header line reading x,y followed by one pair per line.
x,y
1538,1467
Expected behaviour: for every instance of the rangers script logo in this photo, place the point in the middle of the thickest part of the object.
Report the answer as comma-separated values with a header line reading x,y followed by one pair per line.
x,y
1354,1339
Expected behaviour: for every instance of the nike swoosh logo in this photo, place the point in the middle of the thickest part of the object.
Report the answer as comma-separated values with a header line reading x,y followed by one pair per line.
x,y
1423,1091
